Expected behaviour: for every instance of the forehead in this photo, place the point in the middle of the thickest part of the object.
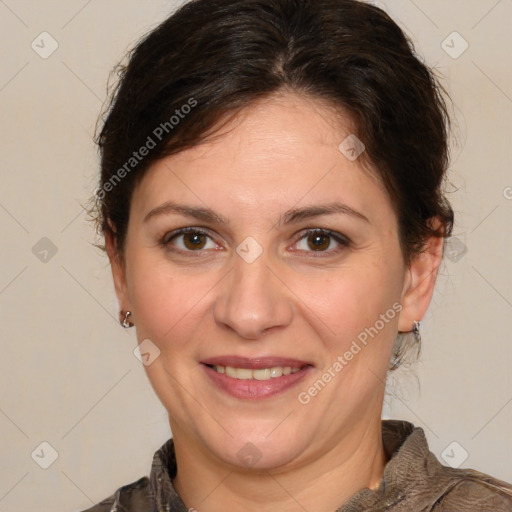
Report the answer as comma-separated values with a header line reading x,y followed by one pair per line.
x,y
284,124
281,150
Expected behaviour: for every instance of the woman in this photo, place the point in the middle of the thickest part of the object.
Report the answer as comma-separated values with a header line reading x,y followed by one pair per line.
x,y
272,207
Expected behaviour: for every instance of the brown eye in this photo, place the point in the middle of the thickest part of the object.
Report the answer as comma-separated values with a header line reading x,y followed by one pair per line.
x,y
318,241
188,240
194,241
322,241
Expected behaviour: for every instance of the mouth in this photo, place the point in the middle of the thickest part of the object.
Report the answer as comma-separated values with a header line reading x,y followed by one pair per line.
x,y
255,378
259,374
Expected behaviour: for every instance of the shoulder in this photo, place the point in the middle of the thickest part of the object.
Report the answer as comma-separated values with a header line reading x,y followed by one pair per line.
x,y
475,491
415,479
134,497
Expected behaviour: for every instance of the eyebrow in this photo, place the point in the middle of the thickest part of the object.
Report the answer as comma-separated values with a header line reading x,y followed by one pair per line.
x,y
204,214
291,216
307,212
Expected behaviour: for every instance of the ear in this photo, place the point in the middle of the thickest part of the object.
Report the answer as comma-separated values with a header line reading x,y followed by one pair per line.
x,y
420,282
118,271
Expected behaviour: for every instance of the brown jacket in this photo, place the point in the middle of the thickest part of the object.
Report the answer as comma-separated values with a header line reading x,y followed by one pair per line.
x,y
413,481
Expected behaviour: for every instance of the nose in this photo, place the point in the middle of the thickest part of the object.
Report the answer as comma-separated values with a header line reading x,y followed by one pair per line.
x,y
252,300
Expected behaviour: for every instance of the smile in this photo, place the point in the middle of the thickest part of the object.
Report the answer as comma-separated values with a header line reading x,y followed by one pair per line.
x,y
255,378
259,374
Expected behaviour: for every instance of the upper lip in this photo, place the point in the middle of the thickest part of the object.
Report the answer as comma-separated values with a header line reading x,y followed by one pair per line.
x,y
254,363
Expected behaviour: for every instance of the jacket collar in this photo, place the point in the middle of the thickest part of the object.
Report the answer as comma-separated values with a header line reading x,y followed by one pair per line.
x,y
413,478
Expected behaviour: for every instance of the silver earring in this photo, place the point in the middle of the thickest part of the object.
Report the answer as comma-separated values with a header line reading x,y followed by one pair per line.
x,y
416,331
125,322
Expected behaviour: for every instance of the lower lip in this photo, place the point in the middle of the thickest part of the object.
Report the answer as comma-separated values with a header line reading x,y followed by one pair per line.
x,y
255,389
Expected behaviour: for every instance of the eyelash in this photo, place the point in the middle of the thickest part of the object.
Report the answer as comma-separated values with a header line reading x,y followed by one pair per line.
x,y
168,237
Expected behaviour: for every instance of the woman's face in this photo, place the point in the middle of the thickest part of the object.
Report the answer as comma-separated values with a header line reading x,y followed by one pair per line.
x,y
305,321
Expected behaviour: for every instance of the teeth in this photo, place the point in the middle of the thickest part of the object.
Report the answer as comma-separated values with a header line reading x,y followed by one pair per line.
x,y
276,371
263,374
243,373
230,371
259,374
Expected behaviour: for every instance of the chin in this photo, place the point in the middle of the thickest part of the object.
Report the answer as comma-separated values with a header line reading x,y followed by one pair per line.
x,y
247,449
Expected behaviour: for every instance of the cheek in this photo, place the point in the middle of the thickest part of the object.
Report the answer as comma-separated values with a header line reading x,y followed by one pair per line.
x,y
366,291
361,304
156,296
167,304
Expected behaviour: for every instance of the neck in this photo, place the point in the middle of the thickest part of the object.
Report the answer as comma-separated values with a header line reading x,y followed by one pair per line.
x,y
322,483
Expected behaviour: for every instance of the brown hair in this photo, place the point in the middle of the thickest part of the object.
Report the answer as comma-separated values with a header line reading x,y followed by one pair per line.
x,y
212,58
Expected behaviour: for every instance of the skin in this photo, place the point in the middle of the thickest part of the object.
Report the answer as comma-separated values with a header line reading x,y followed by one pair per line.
x,y
292,301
